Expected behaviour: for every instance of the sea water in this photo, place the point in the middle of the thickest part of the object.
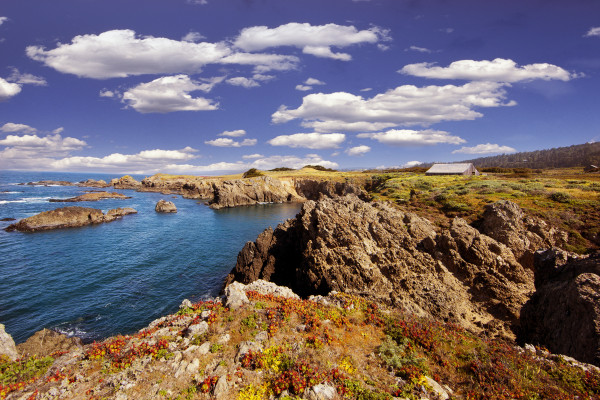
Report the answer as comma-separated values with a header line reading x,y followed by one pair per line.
x,y
114,278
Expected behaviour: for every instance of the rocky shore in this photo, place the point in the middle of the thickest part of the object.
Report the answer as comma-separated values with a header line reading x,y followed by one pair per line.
x,y
92,196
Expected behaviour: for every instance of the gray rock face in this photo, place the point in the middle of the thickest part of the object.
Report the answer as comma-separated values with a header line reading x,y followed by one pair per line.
x,y
371,249
125,182
188,187
164,206
7,345
67,217
564,313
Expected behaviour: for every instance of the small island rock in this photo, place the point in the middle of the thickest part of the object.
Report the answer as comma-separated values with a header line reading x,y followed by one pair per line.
x,y
164,206
67,217
92,196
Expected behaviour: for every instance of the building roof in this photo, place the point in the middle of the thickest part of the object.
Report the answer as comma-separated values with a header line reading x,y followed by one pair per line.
x,y
458,168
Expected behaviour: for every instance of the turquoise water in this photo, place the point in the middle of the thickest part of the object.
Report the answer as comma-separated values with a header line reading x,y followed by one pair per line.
x,y
106,279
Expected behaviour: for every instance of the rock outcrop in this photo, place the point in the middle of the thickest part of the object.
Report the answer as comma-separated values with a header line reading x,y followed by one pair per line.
x,y
94,183
125,182
67,217
45,342
187,187
92,196
524,235
345,244
240,192
7,345
564,313
164,206
312,189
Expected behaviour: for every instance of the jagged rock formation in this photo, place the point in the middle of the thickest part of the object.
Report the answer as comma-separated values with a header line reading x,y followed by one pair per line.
x,y
91,196
241,192
524,235
188,187
564,313
48,183
67,217
7,345
455,274
94,183
164,206
45,342
125,182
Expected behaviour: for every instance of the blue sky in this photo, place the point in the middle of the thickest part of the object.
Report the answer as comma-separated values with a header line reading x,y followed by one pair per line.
x,y
213,86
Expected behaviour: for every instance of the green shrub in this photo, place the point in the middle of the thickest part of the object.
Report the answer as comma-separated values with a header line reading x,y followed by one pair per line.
x,y
251,173
560,197
282,169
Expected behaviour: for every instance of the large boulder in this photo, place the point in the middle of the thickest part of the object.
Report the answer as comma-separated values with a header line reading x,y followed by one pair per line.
x,y
164,206
67,217
564,313
7,345
374,250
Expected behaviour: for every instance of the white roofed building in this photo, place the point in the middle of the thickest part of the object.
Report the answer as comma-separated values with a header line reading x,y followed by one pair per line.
x,y
452,169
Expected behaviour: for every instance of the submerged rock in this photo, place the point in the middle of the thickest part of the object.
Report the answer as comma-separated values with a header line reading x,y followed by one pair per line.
x,y
164,206
67,217
374,250
564,313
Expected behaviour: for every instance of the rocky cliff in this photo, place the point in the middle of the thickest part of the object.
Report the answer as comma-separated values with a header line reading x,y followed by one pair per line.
x,y
241,192
564,313
67,217
188,187
453,274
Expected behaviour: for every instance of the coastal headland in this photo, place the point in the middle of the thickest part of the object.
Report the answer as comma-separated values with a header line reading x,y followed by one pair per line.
x,y
385,285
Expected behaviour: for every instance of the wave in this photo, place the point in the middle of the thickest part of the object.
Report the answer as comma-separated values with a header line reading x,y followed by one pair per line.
x,y
30,200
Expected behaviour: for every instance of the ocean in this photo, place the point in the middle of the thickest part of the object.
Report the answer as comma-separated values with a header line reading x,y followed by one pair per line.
x,y
114,278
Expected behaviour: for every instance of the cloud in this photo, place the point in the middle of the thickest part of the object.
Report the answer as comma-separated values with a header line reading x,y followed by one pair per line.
x,y
291,162
58,130
8,89
418,49
227,142
309,140
263,62
368,89
408,137
316,40
252,156
487,148
313,82
412,164
236,133
593,32
303,88
358,150
3,20
192,36
244,82
497,70
200,2
405,105
12,127
26,79
36,152
168,94
120,53
107,93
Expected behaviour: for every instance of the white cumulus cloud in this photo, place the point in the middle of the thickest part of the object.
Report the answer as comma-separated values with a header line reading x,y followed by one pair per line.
x,y
8,89
291,162
303,88
313,82
121,53
487,148
497,70
312,140
418,49
36,152
192,36
168,94
252,156
227,142
243,82
595,31
12,127
409,137
26,79
3,20
263,62
236,133
358,150
312,39
405,105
